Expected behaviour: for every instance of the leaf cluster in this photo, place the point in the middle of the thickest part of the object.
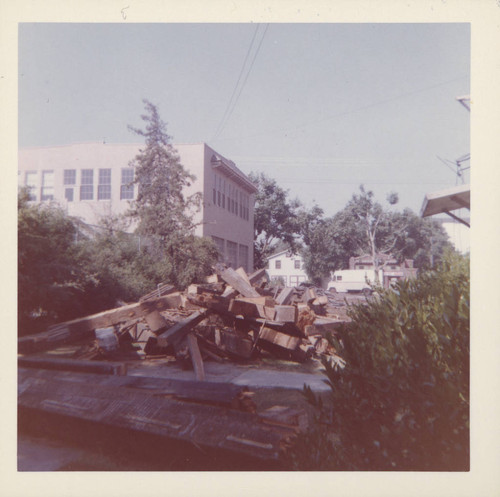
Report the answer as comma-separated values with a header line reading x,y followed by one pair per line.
x,y
402,401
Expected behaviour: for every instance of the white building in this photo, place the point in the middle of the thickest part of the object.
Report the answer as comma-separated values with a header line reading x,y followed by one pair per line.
x,y
286,268
92,180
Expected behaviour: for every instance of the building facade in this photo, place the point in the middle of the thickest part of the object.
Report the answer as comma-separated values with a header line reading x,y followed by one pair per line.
x,y
94,180
391,269
286,268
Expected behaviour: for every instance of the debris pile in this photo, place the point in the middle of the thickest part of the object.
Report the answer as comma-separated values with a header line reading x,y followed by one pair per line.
x,y
233,316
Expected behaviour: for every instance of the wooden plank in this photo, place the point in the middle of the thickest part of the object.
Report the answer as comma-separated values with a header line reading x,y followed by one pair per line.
x,y
251,307
231,277
177,332
323,326
205,425
309,295
156,321
278,338
257,276
286,313
285,295
194,352
221,394
82,328
77,365
244,275
235,345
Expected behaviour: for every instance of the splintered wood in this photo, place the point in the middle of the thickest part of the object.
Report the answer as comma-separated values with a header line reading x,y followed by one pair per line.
x,y
252,320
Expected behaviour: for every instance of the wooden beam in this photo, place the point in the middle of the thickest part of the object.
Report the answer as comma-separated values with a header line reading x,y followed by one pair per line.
x,y
206,425
77,365
81,328
278,338
194,352
256,276
231,277
285,295
177,332
286,313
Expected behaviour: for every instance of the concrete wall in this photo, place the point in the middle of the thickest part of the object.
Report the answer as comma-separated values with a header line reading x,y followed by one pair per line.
x,y
212,220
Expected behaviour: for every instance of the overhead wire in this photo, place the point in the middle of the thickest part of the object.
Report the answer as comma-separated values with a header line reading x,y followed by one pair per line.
x,y
234,100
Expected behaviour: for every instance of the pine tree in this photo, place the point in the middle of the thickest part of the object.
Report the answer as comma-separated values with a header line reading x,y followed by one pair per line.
x,y
161,209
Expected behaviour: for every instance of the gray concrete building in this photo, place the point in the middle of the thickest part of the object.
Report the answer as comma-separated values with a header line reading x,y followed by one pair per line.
x,y
92,180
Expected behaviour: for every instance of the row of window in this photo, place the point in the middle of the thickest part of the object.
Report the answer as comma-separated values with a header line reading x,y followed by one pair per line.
x,y
233,254
228,196
296,264
86,186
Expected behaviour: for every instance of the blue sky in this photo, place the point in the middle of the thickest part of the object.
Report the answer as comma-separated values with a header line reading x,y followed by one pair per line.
x,y
320,107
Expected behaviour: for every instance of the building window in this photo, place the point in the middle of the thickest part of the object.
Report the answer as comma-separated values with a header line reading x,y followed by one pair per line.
x,y
32,184
104,187
277,264
69,181
296,264
339,278
243,256
87,185
70,176
47,185
219,242
232,254
127,186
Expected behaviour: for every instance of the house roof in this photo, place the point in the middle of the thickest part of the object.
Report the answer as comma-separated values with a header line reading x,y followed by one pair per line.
x,y
446,201
281,252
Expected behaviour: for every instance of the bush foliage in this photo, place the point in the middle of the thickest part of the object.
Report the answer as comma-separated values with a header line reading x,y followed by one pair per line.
x,y
402,401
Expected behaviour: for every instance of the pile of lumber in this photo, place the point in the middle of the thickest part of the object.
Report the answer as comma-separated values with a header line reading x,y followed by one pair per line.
x,y
233,316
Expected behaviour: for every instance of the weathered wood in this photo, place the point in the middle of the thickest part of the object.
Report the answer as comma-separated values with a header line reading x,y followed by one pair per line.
x,y
251,307
321,300
281,339
231,277
309,295
204,425
156,321
196,359
322,326
77,365
181,329
235,345
257,276
286,313
285,296
244,275
81,328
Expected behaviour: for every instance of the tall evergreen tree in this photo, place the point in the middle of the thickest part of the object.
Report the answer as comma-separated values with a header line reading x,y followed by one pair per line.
x,y
161,208
164,214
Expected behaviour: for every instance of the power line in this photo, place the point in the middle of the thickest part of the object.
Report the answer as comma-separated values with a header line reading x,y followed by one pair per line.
x,y
234,100
341,114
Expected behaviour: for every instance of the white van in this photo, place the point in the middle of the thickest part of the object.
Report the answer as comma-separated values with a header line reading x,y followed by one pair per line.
x,y
353,280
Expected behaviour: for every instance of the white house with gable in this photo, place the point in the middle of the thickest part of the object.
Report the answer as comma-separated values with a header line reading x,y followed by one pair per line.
x,y
286,268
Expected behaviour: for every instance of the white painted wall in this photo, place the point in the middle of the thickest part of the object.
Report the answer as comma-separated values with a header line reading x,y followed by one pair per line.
x,y
212,220
290,274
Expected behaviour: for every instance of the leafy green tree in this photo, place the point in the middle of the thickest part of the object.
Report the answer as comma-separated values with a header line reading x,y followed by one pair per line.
x,y
164,215
364,226
50,276
275,218
402,400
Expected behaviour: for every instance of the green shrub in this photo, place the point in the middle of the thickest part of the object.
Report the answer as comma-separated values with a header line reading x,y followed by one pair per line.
x,y
402,401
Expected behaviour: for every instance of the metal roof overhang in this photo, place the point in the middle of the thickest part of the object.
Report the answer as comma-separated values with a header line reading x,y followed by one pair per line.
x,y
445,201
